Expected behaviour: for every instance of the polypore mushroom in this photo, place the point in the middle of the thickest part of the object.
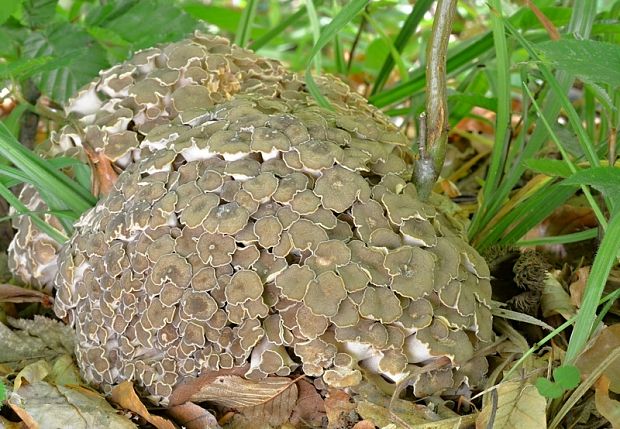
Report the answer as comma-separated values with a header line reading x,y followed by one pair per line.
x,y
252,226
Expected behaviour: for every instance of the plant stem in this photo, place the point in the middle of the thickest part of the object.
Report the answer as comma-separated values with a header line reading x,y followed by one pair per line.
x,y
433,146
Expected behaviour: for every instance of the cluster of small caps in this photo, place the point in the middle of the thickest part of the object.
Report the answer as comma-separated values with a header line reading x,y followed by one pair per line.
x,y
277,234
177,83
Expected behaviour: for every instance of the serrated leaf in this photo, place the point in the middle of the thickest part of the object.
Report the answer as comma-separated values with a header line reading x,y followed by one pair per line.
x,y
104,13
566,376
550,167
150,22
548,388
589,60
519,405
604,179
38,13
85,59
7,9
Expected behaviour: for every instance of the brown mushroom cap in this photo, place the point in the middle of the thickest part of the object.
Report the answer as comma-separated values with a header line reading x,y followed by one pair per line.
x,y
258,228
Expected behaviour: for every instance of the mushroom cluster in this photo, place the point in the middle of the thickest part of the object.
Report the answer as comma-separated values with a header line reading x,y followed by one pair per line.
x,y
253,228
111,115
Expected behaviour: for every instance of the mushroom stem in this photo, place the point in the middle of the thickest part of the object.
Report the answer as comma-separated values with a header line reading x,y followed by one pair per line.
x,y
434,125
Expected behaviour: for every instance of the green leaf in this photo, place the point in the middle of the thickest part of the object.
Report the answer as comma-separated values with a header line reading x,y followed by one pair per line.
x,y
103,14
548,389
567,376
38,13
7,9
589,60
84,58
225,18
550,167
2,391
24,68
605,179
150,22
346,14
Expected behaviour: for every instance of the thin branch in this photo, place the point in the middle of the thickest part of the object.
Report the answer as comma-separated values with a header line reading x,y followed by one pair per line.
x,y
430,160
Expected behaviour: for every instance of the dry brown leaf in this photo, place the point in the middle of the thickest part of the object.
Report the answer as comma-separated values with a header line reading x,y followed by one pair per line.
x,y
276,411
606,341
193,416
184,392
565,219
310,407
125,396
104,175
338,406
42,405
236,392
609,408
578,286
16,294
555,300
7,424
364,424
553,32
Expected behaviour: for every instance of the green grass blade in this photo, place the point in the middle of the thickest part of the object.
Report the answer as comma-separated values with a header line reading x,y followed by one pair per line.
x,y
408,29
315,28
553,104
245,25
459,56
604,260
502,121
43,175
278,29
402,69
574,237
346,14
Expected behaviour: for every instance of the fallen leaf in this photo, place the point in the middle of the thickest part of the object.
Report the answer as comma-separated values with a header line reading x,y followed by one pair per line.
x,y
39,338
32,373
236,392
609,408
185,390
193,416
124,395
310,407
517,405
7,424
275,411
577,287
338,406
555,300
606,341
65,372
16,294
364,424
42,405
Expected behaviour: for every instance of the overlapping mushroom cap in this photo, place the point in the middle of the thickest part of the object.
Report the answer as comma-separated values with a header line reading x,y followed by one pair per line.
x,y
176,82
274,233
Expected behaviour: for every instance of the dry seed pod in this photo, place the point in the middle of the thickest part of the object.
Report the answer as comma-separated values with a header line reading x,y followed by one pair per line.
x,y
168,86
287,238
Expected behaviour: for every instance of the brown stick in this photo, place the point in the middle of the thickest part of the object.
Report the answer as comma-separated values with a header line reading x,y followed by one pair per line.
x,y
434,129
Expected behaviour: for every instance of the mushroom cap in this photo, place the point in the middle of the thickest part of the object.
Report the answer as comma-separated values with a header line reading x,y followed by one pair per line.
x,y
252,226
